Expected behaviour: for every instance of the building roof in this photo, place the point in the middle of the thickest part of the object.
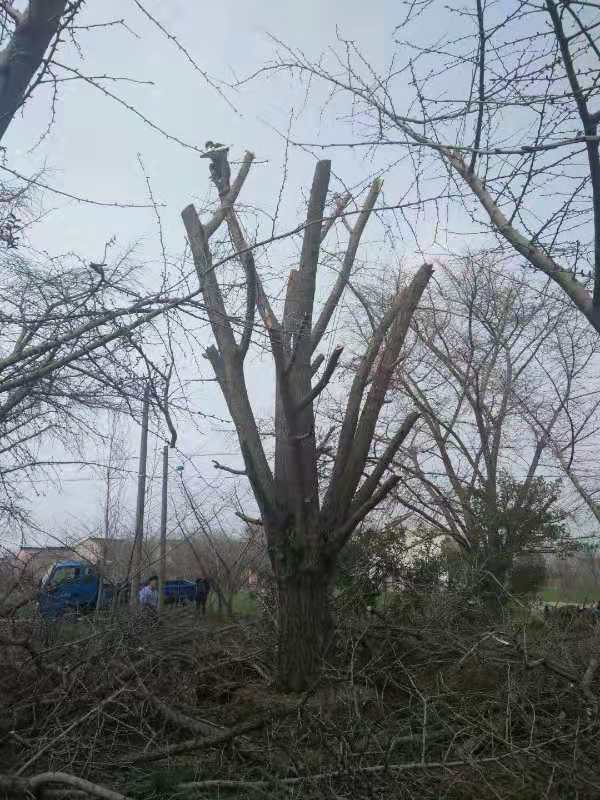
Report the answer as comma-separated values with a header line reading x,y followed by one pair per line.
x,y
41,548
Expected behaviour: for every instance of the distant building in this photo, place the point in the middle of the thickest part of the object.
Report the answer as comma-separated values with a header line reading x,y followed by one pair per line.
x,y
33,562
114,554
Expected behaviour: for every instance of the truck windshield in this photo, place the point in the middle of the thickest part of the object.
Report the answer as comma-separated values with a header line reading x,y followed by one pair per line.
x,y
63,574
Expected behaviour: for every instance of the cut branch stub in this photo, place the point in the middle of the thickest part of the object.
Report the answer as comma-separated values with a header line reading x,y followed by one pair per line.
x,y
324,380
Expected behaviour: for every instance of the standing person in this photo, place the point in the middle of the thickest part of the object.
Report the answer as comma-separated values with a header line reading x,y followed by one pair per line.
x,y
202,590
148,595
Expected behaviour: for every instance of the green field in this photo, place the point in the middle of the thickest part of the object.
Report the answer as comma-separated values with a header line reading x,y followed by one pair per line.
x,y
552,594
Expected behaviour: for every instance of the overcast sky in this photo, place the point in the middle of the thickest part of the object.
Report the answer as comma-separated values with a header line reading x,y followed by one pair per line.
x,y
94,146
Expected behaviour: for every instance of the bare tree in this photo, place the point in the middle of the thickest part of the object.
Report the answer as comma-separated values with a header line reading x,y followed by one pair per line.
x,y
225,557
488,354
305,527
509,108
71,344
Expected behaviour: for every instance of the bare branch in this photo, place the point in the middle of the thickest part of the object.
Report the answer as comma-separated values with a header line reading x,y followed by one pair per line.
x,y
349,257
341,535
356,433
324,380
26,787
231,470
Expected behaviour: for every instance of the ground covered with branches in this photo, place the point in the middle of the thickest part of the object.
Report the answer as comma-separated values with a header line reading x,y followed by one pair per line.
x,y
422,700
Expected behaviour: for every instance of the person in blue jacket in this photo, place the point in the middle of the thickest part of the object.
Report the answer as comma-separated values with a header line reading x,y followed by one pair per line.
x,y
148,596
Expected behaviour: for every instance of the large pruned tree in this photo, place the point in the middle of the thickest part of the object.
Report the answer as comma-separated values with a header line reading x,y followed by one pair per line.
x,y
306,525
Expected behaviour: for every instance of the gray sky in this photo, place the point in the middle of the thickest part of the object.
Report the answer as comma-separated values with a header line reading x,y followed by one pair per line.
x,y
92,151
93,146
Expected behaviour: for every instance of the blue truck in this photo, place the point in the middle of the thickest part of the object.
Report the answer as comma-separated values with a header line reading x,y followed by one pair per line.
x,y
71,587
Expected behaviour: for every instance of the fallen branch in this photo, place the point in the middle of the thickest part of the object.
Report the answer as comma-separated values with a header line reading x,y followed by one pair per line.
x,y
26,787
324,776
67,730
191,745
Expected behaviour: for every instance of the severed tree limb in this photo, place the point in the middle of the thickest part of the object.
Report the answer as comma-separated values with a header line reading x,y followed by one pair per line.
x,y
342,534
193,745
11,11
207,280
228,365
246,256
324,380
227,202
360,382
341,201
32,787
586,682
182,720
375,769
193,725
249,520
48,745
295,450
358,426
384,461
316,364
324,319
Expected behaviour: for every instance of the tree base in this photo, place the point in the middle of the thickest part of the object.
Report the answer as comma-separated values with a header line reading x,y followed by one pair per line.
x,y
305,629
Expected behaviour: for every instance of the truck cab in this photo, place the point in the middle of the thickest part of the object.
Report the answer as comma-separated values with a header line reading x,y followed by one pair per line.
x,y
71,586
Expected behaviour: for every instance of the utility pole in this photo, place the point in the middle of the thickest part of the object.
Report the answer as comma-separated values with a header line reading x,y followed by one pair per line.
x,y
141,498
162,573
102,569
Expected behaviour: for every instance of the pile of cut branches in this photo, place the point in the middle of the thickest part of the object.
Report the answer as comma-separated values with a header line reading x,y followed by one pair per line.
x,y
435,702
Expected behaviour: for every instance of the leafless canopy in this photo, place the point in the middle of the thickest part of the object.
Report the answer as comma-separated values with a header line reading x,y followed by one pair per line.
x,y
507,105
505,383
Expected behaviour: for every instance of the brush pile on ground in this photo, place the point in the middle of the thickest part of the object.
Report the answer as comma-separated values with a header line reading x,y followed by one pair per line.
x,y
426,702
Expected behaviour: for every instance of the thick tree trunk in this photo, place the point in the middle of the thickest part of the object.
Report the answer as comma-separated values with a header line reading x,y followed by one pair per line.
x,y
494,582
24,53
305,627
